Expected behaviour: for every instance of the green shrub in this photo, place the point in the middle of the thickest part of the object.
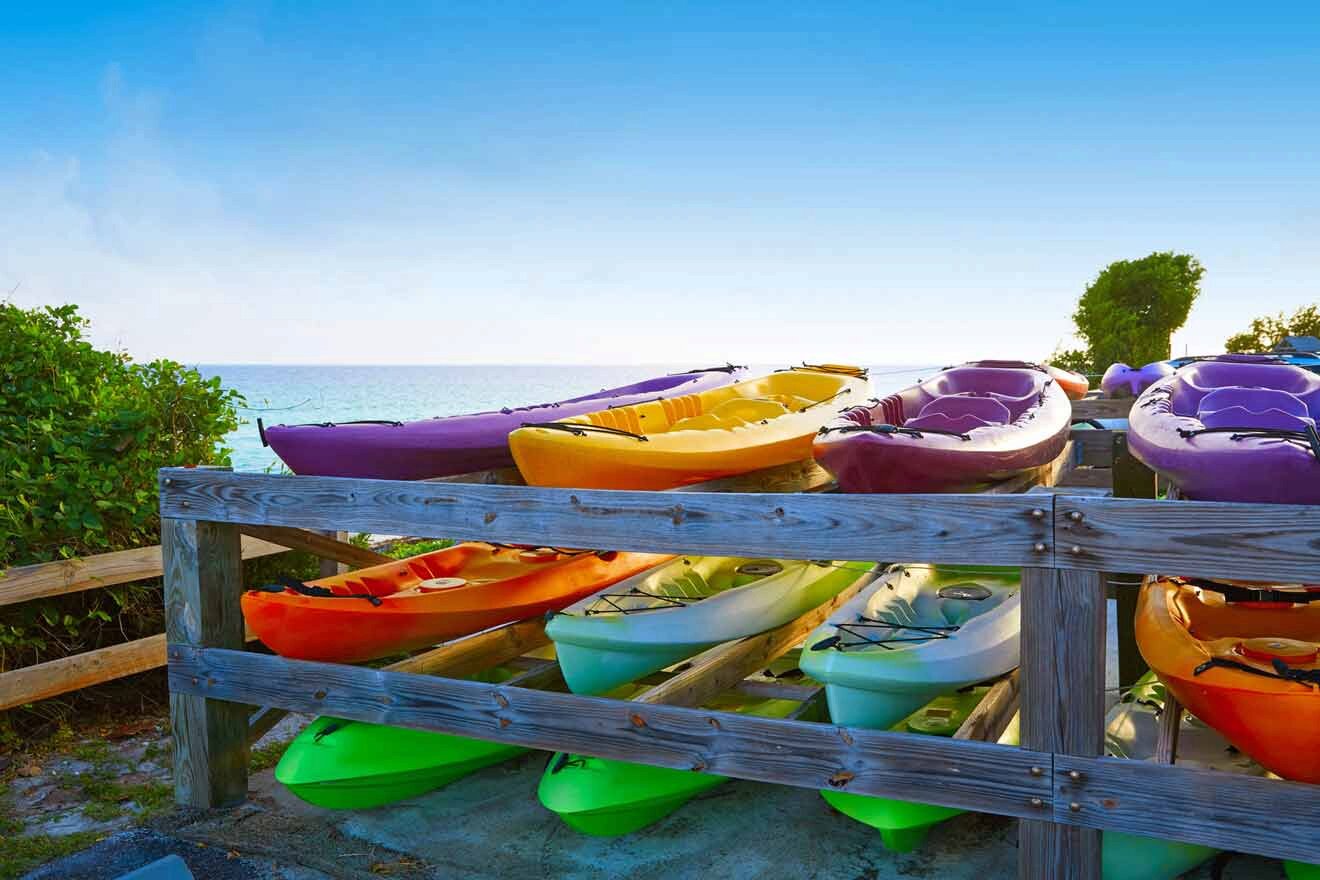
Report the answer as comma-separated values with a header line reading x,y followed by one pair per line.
x,y
1267,332
1129,311
82,434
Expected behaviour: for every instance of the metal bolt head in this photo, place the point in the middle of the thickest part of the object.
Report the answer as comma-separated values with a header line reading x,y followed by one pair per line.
x,y
1036,512
1076,516
1037,771
1075,807
1074,775
1037,802
1075,550
1039,546
169,481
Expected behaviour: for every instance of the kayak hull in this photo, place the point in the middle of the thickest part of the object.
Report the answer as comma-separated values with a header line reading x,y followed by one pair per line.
x,y
495,585
747,426
961,429
600,647
453,445
1274,721
1212,430
352,765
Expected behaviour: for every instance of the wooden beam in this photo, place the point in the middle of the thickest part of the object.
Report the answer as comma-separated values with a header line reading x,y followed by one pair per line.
x,y
510,476
318,544
43,580
1166,747
1094,448
1089,478
721,668
203,580
797,476
329,567
1230,811
1045,475
967,775
461,657
991,716
1102,408
1063,679
54,677
1132,479
986,530
1274,542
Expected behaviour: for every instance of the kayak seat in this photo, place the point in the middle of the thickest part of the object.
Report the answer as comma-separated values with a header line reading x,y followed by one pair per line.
x,y
733,414
1266,408
960,413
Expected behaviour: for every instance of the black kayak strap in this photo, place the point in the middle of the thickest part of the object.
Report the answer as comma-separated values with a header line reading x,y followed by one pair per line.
x,y
1281,671
729,368
287,583
890,430
1310,437
581,429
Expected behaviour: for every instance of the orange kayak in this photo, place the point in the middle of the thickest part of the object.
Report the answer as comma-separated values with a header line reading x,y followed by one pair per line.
x,y
422,600
1243,658
1075,385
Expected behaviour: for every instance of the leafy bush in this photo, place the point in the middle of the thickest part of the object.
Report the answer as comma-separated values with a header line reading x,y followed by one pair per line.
x,y
82,433
1267,332
1130,310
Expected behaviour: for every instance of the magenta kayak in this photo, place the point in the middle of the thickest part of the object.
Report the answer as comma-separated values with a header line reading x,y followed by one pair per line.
x,y
1120,380
1228,430
449,445
956,431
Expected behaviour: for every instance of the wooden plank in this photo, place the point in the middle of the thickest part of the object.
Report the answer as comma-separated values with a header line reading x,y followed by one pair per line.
x,y
987,530
54,677
329,567
458,658
1166,747
1102,408
1089,478
1230,811
510,476
955,773
1132,479
1196,538
1094,448
203,580
25,582
317,544
797,476
1063,675
991,716
722,667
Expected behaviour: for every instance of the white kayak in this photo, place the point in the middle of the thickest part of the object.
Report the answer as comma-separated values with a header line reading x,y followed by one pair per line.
x,y
918,632
676,610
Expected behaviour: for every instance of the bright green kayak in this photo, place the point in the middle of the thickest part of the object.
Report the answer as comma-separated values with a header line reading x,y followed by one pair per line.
x,y
354,765
1131,731
1301,871
607,798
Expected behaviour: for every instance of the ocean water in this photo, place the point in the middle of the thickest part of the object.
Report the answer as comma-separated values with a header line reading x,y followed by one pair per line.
x,y
291,394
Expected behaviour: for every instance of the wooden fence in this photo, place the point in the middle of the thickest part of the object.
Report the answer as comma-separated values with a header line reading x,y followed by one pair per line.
x,y
66,674
1058,783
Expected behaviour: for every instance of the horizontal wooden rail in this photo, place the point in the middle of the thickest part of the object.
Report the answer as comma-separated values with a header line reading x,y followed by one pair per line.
x,y
324,546
1102,408
1276,542
968,775
46,579
985,529
54,677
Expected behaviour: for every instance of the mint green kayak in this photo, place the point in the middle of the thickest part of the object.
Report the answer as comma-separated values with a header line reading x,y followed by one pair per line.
x,y
353,765
1131,731
674,611
606,798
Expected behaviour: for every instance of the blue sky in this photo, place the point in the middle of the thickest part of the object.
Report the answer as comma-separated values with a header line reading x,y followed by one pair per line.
x,y
651,182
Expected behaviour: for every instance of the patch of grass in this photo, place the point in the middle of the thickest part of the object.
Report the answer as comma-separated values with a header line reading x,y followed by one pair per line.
x,y
18,855
416,548
267,756
96,751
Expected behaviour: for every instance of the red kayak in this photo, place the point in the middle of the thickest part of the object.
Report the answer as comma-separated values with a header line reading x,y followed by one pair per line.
x,y
954,432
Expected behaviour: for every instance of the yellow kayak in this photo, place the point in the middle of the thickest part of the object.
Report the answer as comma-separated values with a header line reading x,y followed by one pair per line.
x,y
677,441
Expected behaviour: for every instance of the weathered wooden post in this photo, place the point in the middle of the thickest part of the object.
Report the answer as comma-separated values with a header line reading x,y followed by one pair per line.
x,y
1063,678
203,581
1132,479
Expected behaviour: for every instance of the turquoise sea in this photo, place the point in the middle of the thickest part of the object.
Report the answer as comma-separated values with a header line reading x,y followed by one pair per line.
x,y
290,394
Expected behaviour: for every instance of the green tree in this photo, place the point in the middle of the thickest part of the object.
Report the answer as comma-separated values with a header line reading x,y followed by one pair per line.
x,y
1130,310
1268,331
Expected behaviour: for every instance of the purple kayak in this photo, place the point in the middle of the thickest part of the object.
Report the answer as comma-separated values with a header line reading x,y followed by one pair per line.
x,y
957,431
1120,380
449,445
1228,430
